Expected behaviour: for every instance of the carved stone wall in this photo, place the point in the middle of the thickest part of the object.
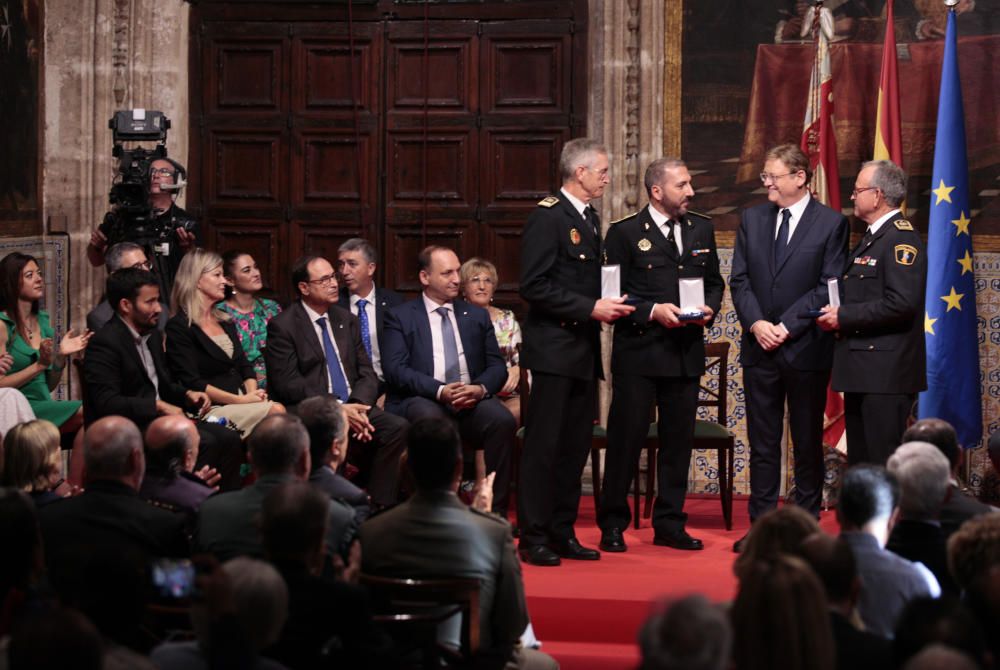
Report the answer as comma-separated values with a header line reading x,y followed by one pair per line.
x,y
100,56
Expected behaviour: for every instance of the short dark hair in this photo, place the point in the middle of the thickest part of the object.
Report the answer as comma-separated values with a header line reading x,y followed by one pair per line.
x,y
943,620
434,451
867,492
300,270
324,419
277,443
126,283
832,559
426,255
293,521
938,432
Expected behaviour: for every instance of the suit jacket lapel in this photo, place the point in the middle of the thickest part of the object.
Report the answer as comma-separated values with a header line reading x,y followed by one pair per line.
x,y
424,344
802,229
128,344
307,328
465,326
341,335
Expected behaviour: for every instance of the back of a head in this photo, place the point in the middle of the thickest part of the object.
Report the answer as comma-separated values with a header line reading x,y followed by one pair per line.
x,y
108,446
973,549
938,432
168,441
324,419
867,493
690,634
779,531
55,640
277,444
925,621
21,557
923,473
434,452
940,657
293,522
832,560
260,598
780,618
29,449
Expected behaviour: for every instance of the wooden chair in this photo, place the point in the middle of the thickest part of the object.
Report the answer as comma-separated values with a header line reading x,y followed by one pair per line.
x,y
412,610
713,392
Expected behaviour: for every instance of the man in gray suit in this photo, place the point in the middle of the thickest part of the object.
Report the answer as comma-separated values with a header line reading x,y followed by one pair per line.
x,y
435,535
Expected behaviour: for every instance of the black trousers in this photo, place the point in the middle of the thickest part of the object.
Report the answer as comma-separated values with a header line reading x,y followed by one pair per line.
x,y
379,459
875,424
676,401
768,384
222,449
488,426
557,437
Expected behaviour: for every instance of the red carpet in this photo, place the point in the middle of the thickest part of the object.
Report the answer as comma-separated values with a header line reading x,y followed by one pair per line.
x,y
588,613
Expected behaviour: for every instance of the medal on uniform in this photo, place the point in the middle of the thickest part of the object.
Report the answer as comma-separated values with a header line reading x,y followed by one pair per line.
x,y
574,236
645,245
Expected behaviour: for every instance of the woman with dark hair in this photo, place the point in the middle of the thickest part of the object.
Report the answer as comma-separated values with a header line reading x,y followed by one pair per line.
x,y
249,313
38,361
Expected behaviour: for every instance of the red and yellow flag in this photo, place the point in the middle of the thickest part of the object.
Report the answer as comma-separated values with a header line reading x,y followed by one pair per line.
x,y
888,130
819,141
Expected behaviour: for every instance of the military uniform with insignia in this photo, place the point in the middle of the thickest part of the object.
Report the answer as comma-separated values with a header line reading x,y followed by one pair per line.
x,y
879,359
651,363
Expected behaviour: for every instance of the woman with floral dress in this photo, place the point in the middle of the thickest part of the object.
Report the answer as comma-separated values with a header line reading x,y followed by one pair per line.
x,y
249,313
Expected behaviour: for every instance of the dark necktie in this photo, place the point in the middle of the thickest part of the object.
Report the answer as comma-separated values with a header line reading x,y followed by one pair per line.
x,y
366,333
452,372
781,241
590,216
337,381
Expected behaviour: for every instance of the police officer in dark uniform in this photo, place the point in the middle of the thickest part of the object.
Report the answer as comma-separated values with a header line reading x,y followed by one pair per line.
x,y
561,281
879,359
658,355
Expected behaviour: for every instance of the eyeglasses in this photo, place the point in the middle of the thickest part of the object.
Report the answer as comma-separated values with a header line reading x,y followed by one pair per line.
x,y
144,265
324,281
167,172
855,192
766,176
600,173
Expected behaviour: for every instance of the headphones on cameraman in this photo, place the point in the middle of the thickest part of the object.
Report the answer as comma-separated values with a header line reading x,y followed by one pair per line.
x,y
180,174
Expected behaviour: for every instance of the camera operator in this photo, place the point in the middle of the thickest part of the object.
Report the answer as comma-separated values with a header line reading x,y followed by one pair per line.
x,y
165,252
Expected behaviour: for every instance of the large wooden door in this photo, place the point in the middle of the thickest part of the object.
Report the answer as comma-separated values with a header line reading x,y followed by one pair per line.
x,y
455,134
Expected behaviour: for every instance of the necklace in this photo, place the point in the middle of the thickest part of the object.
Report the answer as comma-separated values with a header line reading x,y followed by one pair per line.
x,y
30,331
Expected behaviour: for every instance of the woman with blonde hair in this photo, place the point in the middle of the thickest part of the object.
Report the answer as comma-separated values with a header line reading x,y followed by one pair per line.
x,y
203,346
32,460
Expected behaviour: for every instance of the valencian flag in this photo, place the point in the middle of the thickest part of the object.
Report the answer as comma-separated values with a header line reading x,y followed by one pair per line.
x,y
819,143
888,131
950,322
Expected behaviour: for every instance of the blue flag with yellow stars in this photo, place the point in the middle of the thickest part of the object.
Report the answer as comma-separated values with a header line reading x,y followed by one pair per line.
x,y
950,324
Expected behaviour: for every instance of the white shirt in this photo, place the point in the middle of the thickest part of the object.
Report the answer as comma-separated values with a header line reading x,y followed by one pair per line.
x,y
661,220
372,328
882,219
578,204
437,341
142,346
319,336
797,210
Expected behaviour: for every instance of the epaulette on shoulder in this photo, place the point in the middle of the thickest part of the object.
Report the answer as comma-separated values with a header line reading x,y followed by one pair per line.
x,y
903,224
548,202
699,215
624,218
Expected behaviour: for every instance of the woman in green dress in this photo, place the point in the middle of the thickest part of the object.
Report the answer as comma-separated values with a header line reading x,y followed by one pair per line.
x,y
249,313
38,361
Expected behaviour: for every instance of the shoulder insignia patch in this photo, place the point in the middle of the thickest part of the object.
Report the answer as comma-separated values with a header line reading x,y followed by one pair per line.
x,y
903,224
905,253
624,218
548,202
699,215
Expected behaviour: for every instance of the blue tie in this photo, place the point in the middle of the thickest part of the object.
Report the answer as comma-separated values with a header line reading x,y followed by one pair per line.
x,y
337,380
452,372
366,334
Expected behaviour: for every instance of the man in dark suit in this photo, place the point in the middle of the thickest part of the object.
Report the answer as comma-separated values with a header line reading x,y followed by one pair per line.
x,y
786,251
658,355
442,361
315,348
125,373
880,357
356,265
561,281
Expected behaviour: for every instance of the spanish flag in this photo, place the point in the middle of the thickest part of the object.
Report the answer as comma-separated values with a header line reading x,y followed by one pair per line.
x,y
819,142
888,131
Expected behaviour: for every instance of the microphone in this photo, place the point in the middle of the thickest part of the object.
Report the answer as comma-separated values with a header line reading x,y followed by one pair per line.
x,y
181,183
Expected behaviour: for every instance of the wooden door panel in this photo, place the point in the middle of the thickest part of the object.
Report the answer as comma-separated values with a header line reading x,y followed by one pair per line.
x,y
450,172
333,169
519,167
247,169
526,72
248,76
324,71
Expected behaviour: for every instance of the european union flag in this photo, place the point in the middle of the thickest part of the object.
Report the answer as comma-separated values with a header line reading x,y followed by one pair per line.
x,y
953,384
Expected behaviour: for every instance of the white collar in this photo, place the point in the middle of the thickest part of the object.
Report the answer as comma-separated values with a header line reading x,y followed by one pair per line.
x,y
882,219
578,204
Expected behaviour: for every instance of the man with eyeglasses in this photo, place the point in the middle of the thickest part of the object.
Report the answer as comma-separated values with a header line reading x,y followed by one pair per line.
x,y
786,251
880,358
315,348
118,256
166,178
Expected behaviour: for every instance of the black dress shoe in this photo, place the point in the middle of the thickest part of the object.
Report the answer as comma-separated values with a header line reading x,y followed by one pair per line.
x,y
572,549
678,539
538,554
741,543
612,540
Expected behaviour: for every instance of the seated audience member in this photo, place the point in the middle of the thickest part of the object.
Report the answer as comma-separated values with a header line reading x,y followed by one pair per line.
x,y
32,461
329,621
279,452
959,506
204,350
866,512
249,313
314,347
927,621
442,361
922,472
14,407
974,550
689,634
780,618
256,598
479,283
938,656
108,518
435,535
37,362
57,639
119,256
832,560
327,426
22,564
779,531
125,373
170,482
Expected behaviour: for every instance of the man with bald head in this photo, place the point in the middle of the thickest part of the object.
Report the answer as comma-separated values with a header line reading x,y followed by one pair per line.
x,y
170,481
108,518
